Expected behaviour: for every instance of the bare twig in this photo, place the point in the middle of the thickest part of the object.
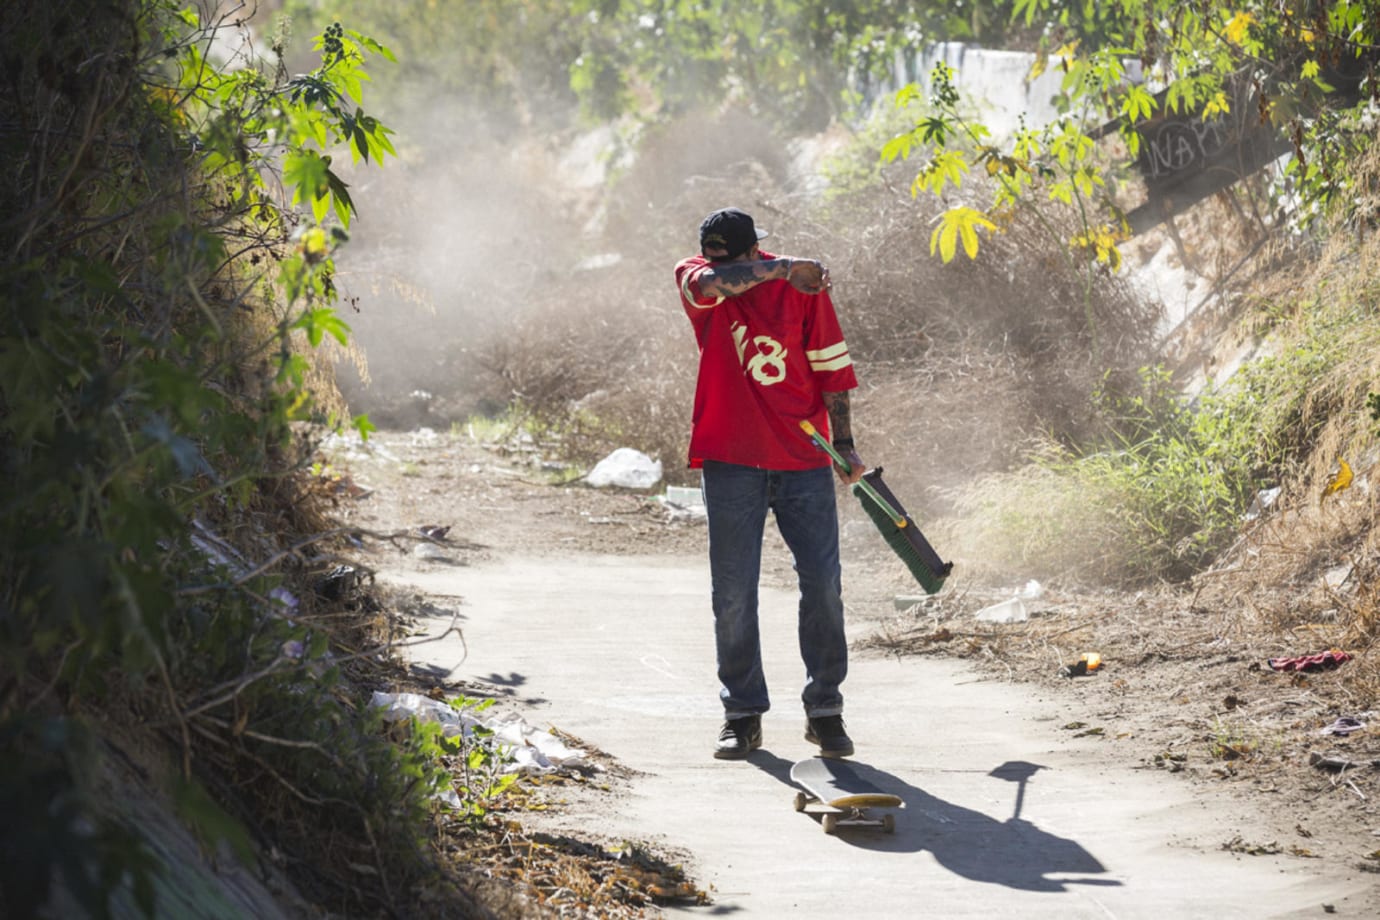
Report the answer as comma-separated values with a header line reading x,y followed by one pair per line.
x,y
237,687
226,692
276,741
391,537
181,722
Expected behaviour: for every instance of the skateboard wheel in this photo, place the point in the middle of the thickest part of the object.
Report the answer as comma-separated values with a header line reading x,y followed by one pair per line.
x,y
889,823
800,801
831,824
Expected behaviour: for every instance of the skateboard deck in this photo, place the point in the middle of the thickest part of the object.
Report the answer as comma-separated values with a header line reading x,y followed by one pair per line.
x,y
836,790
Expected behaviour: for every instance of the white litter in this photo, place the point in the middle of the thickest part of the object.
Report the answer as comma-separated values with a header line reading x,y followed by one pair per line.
x,y
349,446
627,469
532,751
1264,500
1008,611
424,436
1015,609
429,551
683,503
685,496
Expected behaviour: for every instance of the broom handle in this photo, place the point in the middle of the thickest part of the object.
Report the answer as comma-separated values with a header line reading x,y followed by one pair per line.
x,y
897,517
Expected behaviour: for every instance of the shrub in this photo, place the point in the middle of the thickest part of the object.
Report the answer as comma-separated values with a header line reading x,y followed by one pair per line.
x,y
159,401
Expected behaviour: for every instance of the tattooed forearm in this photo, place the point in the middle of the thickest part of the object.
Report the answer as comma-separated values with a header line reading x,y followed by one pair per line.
x,y
840,416
728,279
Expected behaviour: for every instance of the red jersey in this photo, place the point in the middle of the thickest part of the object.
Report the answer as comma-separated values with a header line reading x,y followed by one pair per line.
x,y
767,356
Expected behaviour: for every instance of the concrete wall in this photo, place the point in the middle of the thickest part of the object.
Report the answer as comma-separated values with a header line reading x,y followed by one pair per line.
x,y
995,82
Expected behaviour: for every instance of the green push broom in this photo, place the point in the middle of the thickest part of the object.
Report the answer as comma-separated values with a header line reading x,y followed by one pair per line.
x,y
892,522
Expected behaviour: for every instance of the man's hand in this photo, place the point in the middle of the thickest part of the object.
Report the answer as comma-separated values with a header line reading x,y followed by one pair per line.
x,y
855,468
808,276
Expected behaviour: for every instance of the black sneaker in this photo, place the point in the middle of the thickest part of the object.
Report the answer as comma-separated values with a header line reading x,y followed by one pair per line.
x,y
829,734
739,738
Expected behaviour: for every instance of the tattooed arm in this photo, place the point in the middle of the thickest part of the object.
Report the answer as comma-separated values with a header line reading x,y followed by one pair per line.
x,y
841,430
728,279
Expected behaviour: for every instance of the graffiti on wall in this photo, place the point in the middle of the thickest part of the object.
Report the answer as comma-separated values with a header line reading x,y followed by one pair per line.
x,y
1184,158
1174,146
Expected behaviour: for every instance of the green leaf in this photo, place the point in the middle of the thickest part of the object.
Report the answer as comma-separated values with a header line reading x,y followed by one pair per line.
x,y
340,198
351,81
1138,104
307,174
292,275
898,146
908,94
955,225
320,322
946,167
1028,7
359,142
934,130
372,44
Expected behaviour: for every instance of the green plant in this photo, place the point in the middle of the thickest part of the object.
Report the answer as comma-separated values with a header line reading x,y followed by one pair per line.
x,y
1231,742
792,59
1162,492
159,310
1183,473
481,761
795,61
462,766
565,474
56,826
1202,53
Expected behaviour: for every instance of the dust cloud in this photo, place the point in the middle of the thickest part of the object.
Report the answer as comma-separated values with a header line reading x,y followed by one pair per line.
x,y
516,256
534,262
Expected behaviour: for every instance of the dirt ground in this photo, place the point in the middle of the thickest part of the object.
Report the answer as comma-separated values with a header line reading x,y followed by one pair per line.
x,y
1183,687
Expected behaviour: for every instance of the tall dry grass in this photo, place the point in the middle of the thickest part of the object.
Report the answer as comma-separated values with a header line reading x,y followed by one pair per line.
x,y
966,369
560,303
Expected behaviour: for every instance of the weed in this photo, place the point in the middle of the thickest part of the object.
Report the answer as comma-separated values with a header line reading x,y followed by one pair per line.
x,y
162,394
1231,742
564,474
1162,493
465,769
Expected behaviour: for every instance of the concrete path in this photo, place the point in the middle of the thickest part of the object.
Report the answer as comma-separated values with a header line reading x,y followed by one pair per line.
x,y
1007,814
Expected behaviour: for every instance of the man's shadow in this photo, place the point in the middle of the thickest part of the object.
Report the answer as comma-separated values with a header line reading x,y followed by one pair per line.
x,y
1013,852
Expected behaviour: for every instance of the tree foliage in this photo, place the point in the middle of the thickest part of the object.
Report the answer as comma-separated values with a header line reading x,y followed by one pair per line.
x,y
169,228
500,63
794,62
791,60
1307,68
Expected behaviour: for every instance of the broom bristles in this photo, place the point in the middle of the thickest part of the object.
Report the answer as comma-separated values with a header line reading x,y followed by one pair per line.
x,y
907,542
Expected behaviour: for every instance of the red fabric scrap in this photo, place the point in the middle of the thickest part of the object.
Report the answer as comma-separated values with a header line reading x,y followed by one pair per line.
x,y
1322,661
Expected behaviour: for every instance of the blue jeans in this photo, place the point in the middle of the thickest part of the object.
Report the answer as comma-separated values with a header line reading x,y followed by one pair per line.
x,y
737,499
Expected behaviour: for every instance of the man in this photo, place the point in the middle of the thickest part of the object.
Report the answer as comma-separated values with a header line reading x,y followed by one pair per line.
x,y
771,354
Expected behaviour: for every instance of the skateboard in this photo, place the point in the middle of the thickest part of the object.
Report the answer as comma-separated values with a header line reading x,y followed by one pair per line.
x,y
836,790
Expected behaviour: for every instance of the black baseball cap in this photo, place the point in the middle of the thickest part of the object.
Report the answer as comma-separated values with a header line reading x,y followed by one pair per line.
x,y
729,232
